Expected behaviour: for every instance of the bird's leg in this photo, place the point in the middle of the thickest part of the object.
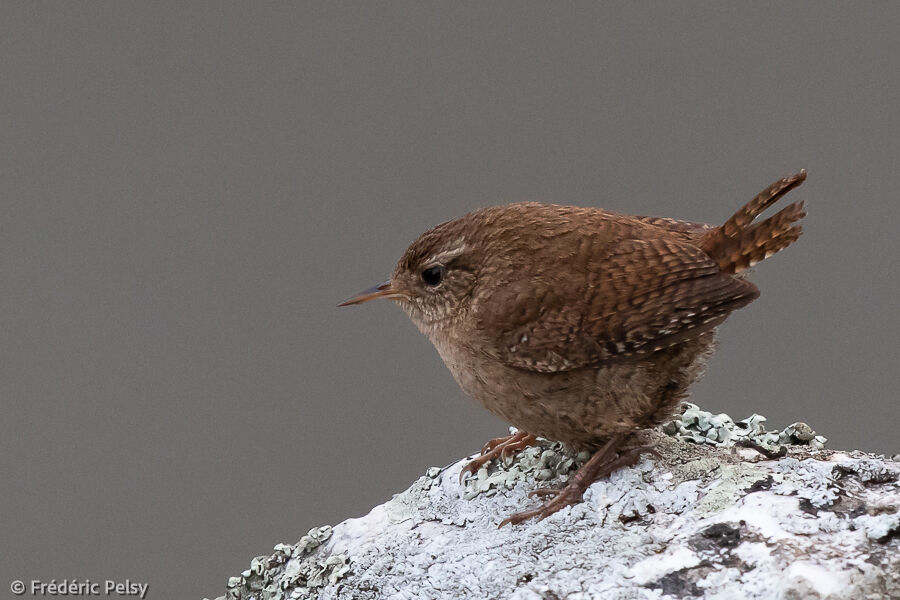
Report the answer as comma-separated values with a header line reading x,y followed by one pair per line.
x,y
501,447
625,459
602,463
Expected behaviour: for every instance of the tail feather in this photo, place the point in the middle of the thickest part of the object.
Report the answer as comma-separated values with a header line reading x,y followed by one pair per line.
x,y
739,243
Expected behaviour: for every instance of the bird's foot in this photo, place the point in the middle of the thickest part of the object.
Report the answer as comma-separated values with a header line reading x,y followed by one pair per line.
x,y
502,447
602,463
561,498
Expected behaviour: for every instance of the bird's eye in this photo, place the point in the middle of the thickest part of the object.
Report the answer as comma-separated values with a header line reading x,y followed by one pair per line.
x,y
433,275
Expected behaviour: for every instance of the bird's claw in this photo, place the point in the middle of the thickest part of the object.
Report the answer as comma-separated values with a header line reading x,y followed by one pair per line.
x,y
541,492
781,452
600,465
562,498
502,448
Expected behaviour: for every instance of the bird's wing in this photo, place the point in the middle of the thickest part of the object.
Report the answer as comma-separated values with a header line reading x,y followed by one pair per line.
x,y
686,228
636,297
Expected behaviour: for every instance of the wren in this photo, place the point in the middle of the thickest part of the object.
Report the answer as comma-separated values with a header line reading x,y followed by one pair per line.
x,y
581,325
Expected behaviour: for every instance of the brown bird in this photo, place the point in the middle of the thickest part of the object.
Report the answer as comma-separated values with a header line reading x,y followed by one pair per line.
x,y
577,324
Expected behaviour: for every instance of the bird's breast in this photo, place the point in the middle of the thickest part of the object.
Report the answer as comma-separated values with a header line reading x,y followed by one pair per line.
x,y
529,400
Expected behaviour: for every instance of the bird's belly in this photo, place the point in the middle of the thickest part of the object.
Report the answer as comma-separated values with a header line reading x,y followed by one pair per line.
x,y
584,407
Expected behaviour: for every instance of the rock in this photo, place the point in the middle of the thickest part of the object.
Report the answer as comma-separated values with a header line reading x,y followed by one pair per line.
x,y
710,520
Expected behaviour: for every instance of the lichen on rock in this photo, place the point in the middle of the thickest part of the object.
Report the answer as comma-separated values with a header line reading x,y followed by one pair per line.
x,y
702,427
709,520
295,572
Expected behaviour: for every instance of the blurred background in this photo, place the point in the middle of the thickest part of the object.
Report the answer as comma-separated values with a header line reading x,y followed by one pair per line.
x,y
188,190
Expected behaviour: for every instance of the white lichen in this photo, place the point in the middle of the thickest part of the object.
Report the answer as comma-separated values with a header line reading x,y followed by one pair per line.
x,y
702,427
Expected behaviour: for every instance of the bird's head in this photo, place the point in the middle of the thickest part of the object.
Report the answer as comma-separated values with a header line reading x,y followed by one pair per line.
x,y
435,278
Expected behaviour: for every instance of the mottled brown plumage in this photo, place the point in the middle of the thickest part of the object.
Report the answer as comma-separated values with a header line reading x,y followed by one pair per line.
x,y
578,324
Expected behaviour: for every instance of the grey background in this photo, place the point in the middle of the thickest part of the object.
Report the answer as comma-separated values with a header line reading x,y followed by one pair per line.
x,y
188,190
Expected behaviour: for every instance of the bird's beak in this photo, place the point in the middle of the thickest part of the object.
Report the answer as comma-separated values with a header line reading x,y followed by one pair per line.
x,y
382,290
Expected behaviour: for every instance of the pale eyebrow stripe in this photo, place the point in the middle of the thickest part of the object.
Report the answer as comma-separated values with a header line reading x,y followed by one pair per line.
x,y
447,255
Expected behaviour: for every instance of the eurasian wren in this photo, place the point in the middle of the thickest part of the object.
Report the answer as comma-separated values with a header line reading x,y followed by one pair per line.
x,y
578,324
